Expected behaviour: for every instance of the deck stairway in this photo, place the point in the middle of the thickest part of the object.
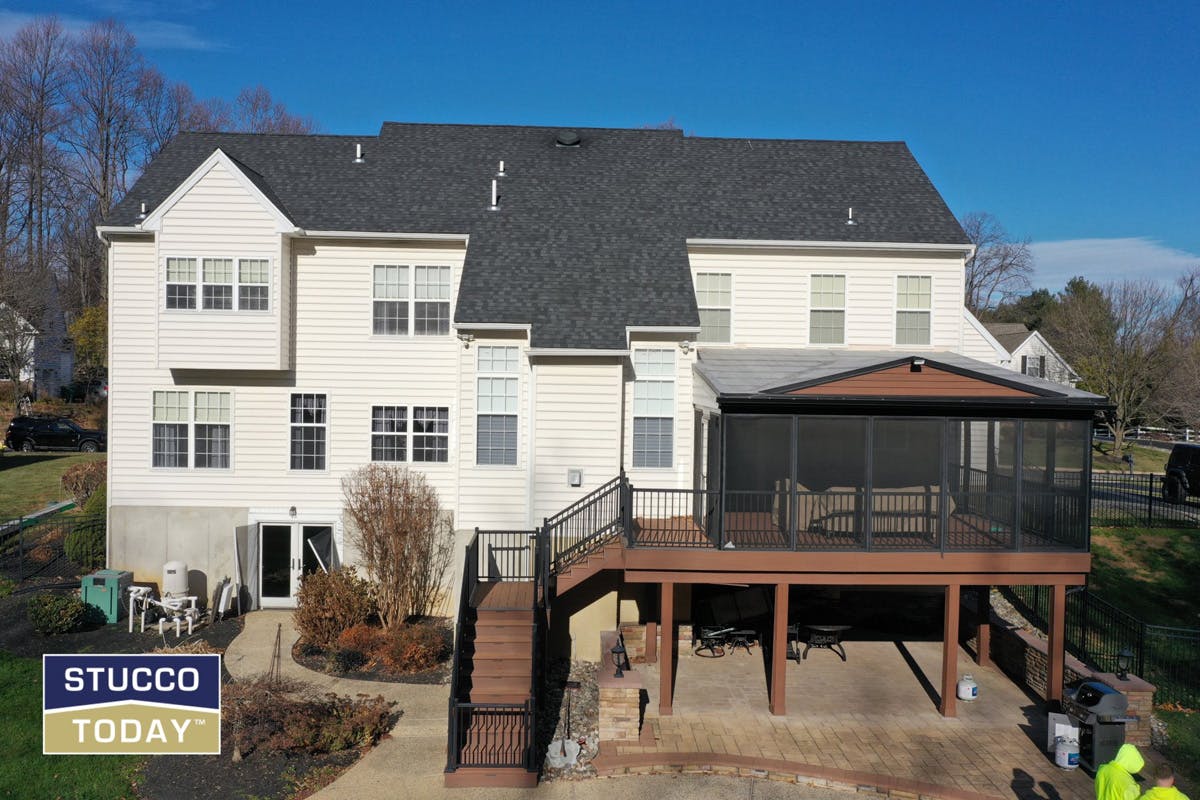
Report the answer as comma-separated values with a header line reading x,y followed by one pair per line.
x,y
509,579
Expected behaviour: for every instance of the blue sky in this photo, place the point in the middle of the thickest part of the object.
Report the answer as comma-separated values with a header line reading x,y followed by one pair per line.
x,y
1077,124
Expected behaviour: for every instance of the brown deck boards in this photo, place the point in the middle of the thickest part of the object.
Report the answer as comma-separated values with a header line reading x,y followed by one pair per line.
x,y
503,595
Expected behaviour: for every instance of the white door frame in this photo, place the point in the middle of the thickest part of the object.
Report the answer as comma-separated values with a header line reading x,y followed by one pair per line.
x,y
296,557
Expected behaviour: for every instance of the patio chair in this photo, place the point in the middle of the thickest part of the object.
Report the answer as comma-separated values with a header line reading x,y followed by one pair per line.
x,y
712,639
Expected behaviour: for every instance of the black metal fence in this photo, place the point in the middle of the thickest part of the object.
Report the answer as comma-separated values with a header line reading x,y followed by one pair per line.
x,y
1096,631
37,549
1124,500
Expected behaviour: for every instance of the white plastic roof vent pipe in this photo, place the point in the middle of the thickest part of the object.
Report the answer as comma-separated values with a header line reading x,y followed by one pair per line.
x,y
850,216
500,173
142,212
358,156
495,206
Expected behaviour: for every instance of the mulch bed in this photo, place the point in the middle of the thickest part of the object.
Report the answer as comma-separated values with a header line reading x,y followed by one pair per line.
x,y
319,661
585,716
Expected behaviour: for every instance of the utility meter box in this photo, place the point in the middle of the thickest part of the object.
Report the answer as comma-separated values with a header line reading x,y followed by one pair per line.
x,y
106,589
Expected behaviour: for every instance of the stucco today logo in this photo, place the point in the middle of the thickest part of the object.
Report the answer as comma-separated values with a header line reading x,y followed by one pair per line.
x,y
143,704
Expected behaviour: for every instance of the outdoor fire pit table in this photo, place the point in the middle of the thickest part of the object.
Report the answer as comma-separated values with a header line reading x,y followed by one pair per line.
x,y
828,637
743,638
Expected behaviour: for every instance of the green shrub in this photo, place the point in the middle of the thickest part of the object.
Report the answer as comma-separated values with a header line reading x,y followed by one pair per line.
x,y
80,480
85,546
416,647
7,587
98,502
52,614
329,603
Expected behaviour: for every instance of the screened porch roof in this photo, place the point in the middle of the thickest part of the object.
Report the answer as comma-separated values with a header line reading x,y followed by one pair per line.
x,y
796,376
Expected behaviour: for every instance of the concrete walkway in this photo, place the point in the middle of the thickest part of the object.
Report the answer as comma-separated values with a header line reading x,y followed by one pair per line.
x,y
409,762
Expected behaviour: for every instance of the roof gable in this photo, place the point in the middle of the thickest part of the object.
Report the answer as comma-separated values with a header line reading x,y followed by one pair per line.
x,y
253,184
911,377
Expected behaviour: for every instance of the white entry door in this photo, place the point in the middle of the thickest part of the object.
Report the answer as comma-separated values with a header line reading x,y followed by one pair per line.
x,y
287,552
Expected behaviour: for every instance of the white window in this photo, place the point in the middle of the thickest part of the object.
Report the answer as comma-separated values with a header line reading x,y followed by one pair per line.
x,y
496,415
200,418
309,420
1034,366
390,312
653,407
181,283
714,296
389,433
169,433
211,429
431,433
914,298
217,286
411,300
254,284
827,312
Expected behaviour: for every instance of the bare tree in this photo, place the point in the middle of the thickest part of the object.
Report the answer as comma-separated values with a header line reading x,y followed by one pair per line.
x,y
257,112
1001,266
1124,339
403,537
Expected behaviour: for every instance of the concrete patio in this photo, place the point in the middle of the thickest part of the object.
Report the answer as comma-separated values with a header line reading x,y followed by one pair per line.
x,y
876,713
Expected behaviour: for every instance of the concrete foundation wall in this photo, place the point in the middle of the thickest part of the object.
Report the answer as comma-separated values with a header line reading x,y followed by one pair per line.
x,y
143,538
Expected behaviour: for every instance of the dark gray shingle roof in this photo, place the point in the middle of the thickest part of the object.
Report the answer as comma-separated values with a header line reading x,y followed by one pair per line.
x,y
1010,335
589,240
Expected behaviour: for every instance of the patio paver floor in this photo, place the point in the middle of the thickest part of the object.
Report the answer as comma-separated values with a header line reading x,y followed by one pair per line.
x,y
871,714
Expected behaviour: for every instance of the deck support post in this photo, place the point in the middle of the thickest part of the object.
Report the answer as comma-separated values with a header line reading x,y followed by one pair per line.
x,y
651,642
950,651
1056,646
779,651
666,667
983,626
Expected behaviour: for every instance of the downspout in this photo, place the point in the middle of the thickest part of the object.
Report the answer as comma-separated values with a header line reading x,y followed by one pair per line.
x,y
530,517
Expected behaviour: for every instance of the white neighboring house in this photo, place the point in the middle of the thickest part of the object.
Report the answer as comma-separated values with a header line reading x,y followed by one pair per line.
x,y
516,313
18,339
1031,354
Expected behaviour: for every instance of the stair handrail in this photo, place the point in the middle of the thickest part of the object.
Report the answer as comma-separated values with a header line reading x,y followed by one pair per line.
x,y
469,578
562,552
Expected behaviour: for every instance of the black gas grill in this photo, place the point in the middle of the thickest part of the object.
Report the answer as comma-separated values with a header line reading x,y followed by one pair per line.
x,y
1099,712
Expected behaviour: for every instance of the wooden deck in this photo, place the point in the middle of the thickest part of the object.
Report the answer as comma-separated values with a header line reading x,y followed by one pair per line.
x,y
503,595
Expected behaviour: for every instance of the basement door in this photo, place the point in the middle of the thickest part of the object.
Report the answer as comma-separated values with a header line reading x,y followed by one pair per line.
x,y
288,552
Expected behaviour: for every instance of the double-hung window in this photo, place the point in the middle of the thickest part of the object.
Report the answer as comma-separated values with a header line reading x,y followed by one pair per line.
x,y
412,300
181,283
914,299
199,418
827,310
389,433
714,297
431,433
217,284
309,421
653,407
169,434
496,417
254,284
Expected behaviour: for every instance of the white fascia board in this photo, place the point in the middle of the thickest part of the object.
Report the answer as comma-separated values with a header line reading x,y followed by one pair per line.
x,y
393,235
632,330
569,351
103,231
153,222
788,244
492,326
986,334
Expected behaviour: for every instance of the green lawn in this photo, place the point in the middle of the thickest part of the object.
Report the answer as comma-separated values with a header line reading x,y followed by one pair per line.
x,y
29,481
1145,459
1183,729
24,771
1149,572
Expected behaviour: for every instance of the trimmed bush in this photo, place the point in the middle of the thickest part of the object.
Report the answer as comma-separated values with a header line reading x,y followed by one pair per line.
x,y
329,603
416,647
52,614
366,639
85,546
80,480
98,502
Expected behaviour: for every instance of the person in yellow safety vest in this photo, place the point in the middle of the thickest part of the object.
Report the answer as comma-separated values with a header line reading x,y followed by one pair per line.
x,y
1114,780
1164,785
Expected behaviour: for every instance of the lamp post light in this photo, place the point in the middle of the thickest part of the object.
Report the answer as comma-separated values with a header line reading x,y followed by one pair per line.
x,y
1124,662
618,652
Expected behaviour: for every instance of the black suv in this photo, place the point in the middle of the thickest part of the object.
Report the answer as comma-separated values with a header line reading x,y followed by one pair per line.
x,y
52,433
1183,473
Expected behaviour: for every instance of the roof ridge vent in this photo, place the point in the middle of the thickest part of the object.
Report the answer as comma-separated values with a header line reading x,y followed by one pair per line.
x,y
567,139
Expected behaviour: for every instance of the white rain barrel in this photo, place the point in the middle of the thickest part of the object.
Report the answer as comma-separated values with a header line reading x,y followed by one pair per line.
x,y
175,578
1066,753
968,690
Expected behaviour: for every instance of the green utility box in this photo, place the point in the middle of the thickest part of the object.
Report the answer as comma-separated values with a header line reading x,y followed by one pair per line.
x,y
106,589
